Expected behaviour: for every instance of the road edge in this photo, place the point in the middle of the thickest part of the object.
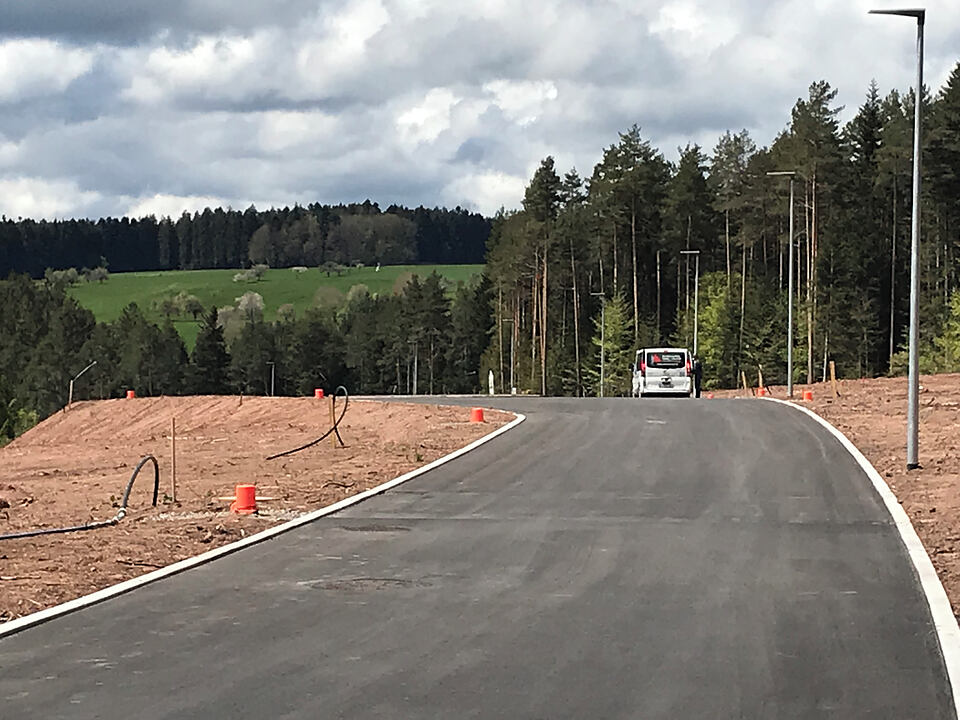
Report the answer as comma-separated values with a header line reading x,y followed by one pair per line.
x,y
42,616
944,621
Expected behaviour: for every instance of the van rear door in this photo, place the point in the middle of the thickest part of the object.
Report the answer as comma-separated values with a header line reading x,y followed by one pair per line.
x,y
664,365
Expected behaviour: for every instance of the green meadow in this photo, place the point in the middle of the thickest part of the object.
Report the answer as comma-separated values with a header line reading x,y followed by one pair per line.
x,y
216,288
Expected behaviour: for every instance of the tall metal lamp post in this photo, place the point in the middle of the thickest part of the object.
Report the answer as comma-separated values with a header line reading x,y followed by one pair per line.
x,y
791,174
913,387
696,294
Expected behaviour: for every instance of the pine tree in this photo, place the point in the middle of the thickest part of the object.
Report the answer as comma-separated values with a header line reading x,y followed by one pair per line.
x,y
210,361
613,337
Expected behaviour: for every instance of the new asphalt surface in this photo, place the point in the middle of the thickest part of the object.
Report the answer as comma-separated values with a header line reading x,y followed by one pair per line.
x,y
606,559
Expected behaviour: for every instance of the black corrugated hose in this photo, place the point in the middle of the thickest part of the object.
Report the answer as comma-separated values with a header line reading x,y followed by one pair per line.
x,y
121,513
341,391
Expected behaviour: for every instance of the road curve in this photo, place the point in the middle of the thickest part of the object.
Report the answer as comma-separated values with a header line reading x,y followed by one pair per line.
x,y
606,559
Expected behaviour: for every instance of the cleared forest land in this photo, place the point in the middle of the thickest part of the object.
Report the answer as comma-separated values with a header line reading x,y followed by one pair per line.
x,y
72,469
279,287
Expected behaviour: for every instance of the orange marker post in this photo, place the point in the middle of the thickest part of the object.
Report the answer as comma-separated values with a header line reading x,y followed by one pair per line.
x,y
245,502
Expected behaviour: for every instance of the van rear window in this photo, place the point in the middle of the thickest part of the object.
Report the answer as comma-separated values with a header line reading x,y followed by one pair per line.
x,y
666,360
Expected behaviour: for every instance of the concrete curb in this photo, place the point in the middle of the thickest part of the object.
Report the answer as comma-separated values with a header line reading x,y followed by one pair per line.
x,y
948,632
42,616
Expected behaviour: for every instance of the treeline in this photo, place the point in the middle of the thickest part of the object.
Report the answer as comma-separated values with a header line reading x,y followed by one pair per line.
x,y
624,235
425,338
218,238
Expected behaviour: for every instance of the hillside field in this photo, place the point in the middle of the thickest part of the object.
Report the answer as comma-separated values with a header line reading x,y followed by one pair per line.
x,y
216,287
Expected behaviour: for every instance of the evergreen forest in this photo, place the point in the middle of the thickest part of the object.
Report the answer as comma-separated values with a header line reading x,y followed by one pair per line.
x,y
606,262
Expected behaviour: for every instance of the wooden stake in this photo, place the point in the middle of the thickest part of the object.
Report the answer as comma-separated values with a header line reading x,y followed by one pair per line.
x,y
833,380
743,379
759,376
173,458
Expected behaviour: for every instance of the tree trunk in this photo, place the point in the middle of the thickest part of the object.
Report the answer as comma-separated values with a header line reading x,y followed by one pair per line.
x,y
543,329
576,316
658,298
534,307
893,272
500,329
726,232
813,275
679,288
807,209
686,307
599,260
743,305
615,281
633,239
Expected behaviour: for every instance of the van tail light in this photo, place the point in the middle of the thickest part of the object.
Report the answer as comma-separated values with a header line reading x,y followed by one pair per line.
x,y
643,368
689,367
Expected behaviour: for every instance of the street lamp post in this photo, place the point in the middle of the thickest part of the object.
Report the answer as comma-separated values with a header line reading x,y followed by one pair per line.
x,y
603,328
696,294
913,386
75,378
790,174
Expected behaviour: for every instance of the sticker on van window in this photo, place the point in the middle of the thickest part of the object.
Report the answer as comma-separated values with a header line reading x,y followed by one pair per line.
x,y
666,360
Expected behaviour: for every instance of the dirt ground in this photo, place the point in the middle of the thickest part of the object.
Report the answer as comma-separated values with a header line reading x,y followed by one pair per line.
x,y
72,469
873,414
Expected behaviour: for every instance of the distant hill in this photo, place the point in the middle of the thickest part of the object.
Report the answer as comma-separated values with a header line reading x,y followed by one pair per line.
x,y
301,288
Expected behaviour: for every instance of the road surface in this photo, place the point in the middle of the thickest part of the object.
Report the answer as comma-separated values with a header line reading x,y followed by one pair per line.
x,y
606,559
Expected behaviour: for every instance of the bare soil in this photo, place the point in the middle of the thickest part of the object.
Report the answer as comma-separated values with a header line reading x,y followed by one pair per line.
x,y
72,469
873,414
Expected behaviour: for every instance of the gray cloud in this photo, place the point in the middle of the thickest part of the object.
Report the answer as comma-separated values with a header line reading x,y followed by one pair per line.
x,y
126,22
113,106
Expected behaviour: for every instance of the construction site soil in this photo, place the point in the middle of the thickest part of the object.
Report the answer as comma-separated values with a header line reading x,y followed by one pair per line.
x,y
72,469
873,414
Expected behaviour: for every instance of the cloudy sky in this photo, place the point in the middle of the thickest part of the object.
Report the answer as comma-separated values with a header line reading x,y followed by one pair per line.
x,y
134,107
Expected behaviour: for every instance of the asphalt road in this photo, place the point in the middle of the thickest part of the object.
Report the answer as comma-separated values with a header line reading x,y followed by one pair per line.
x,y
607,559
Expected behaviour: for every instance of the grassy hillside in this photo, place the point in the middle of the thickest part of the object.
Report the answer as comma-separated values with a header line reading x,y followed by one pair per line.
x,y
216,287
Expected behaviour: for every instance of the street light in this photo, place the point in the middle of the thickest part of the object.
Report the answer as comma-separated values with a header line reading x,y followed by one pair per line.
x,y
603,328
791,174
75,378
696,294
913,385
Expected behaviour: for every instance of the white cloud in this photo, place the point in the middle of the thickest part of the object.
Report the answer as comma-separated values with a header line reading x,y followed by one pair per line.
x,y
35,67
212,64
359,21
426,120
524,101
173,206
31,197
282,130
486,192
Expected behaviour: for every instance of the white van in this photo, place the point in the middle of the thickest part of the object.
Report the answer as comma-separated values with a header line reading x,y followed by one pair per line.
x,y
663,371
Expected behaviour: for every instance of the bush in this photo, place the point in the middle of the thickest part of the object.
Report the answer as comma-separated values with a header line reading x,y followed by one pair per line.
x,y
250,305
942,355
